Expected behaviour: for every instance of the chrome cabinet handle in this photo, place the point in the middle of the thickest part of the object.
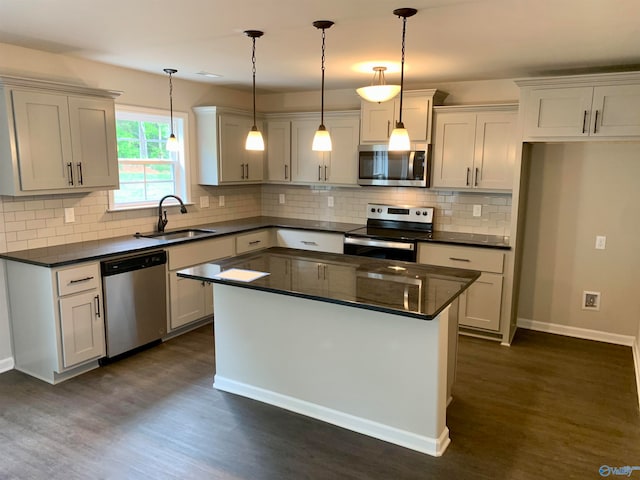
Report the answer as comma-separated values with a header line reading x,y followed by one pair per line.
x,y
70,168
255,242
308,242
475,183
595,123
97,299
325,173
456,259
80,280
242,170
286,172
319,173
584,122
388,127
247,166
468,172
80,173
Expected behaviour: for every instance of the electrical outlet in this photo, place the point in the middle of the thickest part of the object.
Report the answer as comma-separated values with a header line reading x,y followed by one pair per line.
x,y
204,202
221,201
281,198
477,210
591,300
601,242
69,215
330,201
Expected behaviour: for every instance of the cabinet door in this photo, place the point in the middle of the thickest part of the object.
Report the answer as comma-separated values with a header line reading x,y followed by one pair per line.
x,y
616,111
279,151
494,150
341,163
82,328
93,133
558,112
415,116
480,304
377,121
43,140
233,156
309,277
306,165
453,149
188,300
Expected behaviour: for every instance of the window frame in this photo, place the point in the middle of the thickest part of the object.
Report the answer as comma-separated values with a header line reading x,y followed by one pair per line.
x,y
182,182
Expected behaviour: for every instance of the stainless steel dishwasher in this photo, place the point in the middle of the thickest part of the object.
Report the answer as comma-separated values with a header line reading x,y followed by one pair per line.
x,y
135,301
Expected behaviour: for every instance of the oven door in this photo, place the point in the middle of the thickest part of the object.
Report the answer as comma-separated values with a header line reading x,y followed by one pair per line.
x,y
376,248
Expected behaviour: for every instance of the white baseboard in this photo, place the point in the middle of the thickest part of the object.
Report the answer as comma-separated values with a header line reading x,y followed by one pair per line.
x,y
6,364
420,443
636,361
577,332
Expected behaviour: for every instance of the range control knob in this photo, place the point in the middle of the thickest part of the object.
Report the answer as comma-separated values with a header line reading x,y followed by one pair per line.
x,y
379,210
373,210
417,212
425,213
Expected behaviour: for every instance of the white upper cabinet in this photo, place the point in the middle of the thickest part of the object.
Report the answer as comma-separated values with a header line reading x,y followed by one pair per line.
x,y
474,147
221,147
587,107
289,144
377,120
56,138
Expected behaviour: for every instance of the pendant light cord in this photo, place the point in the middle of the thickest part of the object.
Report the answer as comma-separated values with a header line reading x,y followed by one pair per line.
x,y
404,29
322,95
171,101
253,70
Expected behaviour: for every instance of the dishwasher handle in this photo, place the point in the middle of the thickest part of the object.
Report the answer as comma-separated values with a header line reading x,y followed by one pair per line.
x,y
134,262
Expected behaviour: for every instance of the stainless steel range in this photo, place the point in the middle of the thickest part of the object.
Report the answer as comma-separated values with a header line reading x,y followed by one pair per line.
x,y
392,232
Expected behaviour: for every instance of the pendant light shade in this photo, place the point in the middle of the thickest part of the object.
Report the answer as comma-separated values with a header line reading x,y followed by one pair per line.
x,y
378,91
399,140
254,138
172,142
322,139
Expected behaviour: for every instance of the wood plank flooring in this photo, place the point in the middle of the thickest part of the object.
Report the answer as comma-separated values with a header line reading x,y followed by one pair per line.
x,y
548,407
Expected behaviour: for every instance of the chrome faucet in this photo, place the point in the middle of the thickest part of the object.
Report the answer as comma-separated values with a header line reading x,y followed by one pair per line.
x,y
162,222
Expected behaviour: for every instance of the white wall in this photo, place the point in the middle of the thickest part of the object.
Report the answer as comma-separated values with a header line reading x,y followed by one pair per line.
x,y
577,191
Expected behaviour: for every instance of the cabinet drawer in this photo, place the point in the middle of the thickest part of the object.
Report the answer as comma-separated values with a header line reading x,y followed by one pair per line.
x,y
484,260
78,279
310,240
194,253
253,241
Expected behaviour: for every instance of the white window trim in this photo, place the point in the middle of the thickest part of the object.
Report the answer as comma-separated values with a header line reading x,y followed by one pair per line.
x,y
183,138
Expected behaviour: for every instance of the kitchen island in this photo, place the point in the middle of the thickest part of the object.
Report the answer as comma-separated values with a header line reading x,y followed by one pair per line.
x,y
358,342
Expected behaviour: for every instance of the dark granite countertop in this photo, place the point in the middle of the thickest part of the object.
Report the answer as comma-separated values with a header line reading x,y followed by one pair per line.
x,y
61,255
402,288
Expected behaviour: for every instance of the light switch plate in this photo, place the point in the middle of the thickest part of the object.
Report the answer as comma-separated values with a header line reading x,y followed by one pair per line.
x,y
477,210
601,242
204,201
221,201
281,198
69,215
330,201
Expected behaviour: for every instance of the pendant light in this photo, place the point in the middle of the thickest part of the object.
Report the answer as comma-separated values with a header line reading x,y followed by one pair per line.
x,y
378,91
254,138
172,143
322,139
399,139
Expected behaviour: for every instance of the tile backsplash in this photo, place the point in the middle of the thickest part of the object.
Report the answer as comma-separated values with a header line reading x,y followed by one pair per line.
x,y
38,221
453,210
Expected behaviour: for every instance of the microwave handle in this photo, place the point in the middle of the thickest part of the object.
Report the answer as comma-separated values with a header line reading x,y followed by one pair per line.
x,y
412,159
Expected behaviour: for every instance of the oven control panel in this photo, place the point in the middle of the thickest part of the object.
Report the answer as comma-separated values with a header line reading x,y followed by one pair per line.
x,y
401,213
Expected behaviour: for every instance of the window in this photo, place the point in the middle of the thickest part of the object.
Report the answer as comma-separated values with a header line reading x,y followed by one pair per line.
x,y
147,170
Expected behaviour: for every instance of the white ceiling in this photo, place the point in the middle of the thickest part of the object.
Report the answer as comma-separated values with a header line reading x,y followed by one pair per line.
x,y
448,40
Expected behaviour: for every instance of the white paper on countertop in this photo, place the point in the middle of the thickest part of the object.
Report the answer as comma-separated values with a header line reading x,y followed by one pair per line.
x,y
241,275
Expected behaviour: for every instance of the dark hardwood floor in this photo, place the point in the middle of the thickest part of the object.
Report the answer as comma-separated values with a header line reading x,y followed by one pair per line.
x,y
548,407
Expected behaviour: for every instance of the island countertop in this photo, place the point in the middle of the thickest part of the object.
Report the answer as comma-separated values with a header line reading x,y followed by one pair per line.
x,y
402,288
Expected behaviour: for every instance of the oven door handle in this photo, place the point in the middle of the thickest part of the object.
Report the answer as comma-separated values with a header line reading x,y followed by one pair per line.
x,y
369,242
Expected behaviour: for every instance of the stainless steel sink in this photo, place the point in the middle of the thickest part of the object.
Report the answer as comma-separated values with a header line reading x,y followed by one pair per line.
x,y
177,234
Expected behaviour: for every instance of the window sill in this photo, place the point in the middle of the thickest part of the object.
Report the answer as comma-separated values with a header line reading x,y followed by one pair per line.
x,y
146,207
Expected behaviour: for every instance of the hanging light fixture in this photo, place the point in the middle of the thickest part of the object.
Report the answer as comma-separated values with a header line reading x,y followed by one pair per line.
x,y
254,138
172,143
399,139
322,139
378,91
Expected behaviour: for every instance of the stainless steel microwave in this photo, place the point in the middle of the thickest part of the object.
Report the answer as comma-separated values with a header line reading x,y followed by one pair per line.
x,y
379,166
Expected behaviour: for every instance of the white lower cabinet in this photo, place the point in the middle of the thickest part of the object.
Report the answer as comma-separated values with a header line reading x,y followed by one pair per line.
x,y
56,319
480,305
310,240
189,300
